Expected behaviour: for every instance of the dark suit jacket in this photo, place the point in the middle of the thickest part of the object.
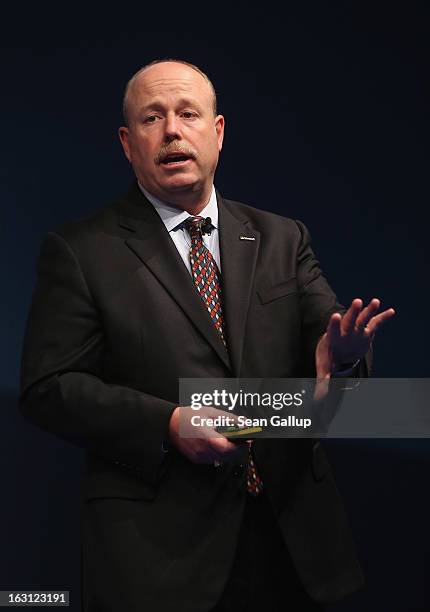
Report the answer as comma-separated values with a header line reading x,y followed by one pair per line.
x,y
115,321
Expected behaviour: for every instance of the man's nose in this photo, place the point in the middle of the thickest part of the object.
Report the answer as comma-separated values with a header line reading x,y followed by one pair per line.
x,y
172,128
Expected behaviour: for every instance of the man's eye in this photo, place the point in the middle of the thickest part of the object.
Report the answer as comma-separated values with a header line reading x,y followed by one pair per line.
x,y
150,119
189,115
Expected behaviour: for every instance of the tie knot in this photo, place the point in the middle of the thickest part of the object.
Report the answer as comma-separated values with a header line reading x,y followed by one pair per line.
x,y
194,225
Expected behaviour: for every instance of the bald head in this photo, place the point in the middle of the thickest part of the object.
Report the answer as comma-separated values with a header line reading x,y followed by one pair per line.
x,y
172,136
136,80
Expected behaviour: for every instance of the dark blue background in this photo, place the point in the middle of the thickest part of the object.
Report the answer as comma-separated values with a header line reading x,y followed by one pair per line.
x,y
326,121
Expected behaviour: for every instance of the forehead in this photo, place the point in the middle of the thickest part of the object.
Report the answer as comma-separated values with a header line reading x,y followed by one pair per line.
x,y
169,78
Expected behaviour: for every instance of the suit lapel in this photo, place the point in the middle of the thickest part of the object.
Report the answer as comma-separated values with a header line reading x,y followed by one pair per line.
x,y
239,245
154,247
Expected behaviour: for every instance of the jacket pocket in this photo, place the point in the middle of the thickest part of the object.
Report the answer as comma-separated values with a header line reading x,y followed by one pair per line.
x,y
268,294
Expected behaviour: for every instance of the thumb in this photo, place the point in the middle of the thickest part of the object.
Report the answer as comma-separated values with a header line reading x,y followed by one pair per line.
x,y
321,386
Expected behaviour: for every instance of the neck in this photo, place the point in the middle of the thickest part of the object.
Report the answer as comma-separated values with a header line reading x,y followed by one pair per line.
x,y
191,201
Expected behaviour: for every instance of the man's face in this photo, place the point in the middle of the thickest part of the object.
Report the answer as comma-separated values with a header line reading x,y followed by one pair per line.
x,y
173,139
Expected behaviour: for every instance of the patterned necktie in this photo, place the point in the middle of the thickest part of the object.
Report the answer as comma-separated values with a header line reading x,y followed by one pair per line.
x,y
207,280
254,484
206,274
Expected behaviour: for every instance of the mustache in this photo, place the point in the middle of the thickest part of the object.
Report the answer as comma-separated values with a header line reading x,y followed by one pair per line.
x,y
175,147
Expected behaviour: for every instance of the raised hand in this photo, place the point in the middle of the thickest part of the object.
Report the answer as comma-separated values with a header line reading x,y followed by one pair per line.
x,y
348,337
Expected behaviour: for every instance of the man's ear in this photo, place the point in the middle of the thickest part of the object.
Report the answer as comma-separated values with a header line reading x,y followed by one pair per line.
x,y
219,127
123,134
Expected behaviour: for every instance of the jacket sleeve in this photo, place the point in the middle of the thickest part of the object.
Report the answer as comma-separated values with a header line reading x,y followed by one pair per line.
x,y
62,387
319,302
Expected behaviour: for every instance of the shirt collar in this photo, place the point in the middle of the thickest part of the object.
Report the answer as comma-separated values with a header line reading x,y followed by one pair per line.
x,y
173,217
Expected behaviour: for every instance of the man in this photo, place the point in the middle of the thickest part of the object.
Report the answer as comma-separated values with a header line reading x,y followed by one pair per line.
x,y
120,313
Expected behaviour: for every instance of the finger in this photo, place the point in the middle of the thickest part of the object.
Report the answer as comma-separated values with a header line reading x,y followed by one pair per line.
x,y
321,388
202,452
212,452
376,321
221,446
333,328
366,314
350,316
230,451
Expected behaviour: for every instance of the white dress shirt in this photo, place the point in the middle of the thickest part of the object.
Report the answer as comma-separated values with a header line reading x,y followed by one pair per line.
x,y
173,218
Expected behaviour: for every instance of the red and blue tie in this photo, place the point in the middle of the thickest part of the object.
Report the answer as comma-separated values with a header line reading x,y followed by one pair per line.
x,y
207,280
206,274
